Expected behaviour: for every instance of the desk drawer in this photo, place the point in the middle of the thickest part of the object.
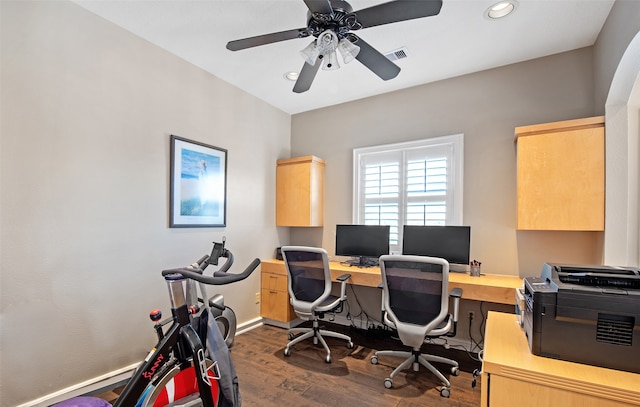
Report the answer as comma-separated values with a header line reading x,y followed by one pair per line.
x,y
273,267
274,282
275,305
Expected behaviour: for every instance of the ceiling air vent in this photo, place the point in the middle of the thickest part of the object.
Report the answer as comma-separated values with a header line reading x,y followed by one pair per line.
x,y
400,53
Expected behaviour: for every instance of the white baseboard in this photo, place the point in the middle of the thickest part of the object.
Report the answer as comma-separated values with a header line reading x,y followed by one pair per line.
x,y
249,325
85,387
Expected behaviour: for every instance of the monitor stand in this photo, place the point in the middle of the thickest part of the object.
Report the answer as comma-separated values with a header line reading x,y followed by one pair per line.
x,y
363,262
458,268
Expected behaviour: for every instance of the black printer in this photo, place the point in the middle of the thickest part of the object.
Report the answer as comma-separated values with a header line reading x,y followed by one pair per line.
x,y
585,314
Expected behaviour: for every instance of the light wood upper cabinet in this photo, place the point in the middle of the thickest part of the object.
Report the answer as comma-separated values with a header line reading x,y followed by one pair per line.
x,y
561,175
300,191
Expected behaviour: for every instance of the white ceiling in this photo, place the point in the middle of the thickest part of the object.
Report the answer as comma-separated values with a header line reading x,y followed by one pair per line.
x,y
458,41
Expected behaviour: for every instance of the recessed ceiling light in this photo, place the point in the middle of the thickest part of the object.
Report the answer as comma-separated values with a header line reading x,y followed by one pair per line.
x,y
501,9
291,76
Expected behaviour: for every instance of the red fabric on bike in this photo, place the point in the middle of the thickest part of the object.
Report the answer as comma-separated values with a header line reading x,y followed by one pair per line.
x,y
182,385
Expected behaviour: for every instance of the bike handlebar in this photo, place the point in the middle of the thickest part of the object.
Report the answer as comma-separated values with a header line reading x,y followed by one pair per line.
x,y
220,277
202,261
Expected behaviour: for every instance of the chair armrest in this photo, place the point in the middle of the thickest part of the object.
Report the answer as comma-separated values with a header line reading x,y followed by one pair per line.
x,y
456,294
343,285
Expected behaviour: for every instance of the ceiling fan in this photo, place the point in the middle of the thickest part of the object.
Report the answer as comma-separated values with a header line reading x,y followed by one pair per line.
x,y
331,22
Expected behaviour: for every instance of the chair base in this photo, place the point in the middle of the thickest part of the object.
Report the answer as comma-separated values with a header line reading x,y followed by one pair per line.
x,y
415,358
317,334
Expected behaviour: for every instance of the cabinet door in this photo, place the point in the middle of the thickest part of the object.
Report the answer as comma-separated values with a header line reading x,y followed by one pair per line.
x,y
300,192
561,176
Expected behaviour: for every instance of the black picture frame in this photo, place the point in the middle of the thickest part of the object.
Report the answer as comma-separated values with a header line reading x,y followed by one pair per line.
x,y
198,175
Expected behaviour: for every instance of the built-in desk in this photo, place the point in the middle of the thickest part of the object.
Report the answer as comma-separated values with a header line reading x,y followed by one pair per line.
x,y
275,300
513,376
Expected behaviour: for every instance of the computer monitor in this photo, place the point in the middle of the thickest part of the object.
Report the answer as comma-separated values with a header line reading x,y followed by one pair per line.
x,y
365,242
451,243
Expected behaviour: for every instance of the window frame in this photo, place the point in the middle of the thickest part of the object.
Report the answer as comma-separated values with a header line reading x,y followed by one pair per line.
x,y
455,185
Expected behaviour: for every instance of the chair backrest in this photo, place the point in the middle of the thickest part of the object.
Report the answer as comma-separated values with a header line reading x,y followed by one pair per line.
x,y
416,295
309,281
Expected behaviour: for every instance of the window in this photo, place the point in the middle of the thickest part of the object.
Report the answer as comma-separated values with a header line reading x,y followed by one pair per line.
x,y
414,183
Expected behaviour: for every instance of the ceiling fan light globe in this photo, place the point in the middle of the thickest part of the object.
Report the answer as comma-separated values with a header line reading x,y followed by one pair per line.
x,y
327,42
348,50
310,53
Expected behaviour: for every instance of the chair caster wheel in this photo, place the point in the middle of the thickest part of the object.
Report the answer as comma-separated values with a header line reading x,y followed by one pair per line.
x,y
291,336
328,359
455,371
350,345
388,382
445,392
287,352
476,373
374,360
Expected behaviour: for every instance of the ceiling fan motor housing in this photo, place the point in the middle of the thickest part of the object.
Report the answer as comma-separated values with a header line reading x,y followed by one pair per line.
x,y
340,21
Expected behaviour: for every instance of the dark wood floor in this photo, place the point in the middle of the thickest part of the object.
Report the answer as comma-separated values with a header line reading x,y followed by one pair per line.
x,y
268,378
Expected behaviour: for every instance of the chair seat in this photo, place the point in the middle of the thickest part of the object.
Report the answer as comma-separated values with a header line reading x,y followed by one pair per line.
x,y
328,304
445,325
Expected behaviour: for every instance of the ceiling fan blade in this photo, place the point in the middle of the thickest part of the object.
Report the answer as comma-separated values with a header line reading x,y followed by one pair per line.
x,y
258,40
307,74
375,61
319,6
399,10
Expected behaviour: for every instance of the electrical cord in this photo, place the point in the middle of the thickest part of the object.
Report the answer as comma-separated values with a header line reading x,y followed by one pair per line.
x,y
473,344
482,324
478,372
365,319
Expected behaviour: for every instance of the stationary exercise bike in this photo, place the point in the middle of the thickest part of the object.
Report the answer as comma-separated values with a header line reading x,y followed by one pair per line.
x,y
186,367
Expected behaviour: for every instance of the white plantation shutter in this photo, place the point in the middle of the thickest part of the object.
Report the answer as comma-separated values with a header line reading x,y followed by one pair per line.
x,y
415,183
381,184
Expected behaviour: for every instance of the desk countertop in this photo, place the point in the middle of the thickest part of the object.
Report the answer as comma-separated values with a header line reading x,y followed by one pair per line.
x,y
495,288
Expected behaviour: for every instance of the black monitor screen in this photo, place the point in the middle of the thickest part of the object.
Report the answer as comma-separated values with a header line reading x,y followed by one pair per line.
x,y
448,242
362,240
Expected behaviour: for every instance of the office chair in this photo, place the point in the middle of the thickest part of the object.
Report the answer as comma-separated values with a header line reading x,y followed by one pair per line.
x,y
309,285
416,303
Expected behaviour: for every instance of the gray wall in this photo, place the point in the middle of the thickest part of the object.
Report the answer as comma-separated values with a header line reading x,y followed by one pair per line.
x,y
622,25
87,111
486,107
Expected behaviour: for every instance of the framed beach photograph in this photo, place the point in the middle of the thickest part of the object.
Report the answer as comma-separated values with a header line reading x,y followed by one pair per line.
x,y
198,184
